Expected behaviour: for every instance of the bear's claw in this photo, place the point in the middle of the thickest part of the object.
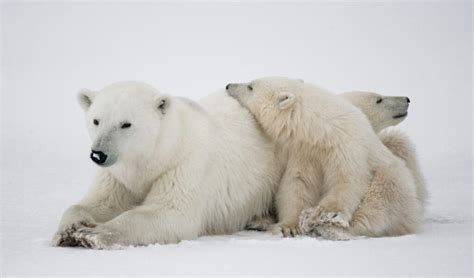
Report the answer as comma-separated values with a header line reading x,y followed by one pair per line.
x,y
285,230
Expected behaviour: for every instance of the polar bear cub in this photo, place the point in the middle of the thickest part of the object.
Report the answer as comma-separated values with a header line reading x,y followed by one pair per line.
x,y
332,155
382,112
385,111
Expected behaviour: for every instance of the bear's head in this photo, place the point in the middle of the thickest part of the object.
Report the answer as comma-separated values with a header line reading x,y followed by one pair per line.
x,y
272,100
382,111
123,121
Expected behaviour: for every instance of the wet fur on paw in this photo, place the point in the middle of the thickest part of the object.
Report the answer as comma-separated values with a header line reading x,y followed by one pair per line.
x,y
96,238
327,225
66,238
332,232
321,215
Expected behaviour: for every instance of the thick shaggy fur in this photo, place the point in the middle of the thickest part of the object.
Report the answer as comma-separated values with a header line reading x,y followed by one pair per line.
x,y
337,164
400,145
382,112
181,170
385,111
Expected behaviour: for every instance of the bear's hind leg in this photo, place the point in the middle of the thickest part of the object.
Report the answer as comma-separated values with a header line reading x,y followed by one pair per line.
x,y
401,146
390,206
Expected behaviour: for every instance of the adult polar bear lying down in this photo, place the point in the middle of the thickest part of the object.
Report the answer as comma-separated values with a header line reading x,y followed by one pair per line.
x,y
158,183
171,169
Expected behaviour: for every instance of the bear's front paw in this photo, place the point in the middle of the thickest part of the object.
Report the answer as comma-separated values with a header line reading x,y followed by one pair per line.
x,y
332,232
99,237
308,221
322,215
64,235
285,230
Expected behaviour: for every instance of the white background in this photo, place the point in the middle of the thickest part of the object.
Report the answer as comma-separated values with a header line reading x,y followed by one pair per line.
x,y
51,50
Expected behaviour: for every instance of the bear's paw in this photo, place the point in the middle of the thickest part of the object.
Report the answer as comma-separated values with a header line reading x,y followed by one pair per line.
x,y
64,236
285,230
97,238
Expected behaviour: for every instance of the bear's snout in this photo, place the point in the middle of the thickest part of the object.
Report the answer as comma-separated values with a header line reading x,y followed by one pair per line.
x,y
98,157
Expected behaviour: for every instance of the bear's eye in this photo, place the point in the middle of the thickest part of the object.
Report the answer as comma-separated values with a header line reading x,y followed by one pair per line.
x,y
379,100
250,87
126,125
96,122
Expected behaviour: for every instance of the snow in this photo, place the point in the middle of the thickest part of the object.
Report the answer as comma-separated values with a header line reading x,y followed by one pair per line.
x,y
442,247
252,253
52,50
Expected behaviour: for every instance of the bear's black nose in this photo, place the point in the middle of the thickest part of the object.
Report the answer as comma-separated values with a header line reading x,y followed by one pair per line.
x,y
228,86
98,157
408,100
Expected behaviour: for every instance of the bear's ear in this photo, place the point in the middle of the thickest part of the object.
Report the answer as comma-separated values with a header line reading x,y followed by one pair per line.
x,y
285,100
162,103
85,98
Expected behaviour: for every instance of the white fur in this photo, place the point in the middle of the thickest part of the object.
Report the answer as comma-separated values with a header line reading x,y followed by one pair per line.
x,y
381,114
336,163
182,169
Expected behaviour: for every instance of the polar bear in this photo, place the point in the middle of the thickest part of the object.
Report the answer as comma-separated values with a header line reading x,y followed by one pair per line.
x,y
382,112
169,169
385,111
335,161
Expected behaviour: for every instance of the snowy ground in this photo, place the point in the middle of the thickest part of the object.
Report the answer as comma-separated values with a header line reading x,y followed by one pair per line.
x,y
30,216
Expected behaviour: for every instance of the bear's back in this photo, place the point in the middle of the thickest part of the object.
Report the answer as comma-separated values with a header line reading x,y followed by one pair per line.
x,y
246,171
